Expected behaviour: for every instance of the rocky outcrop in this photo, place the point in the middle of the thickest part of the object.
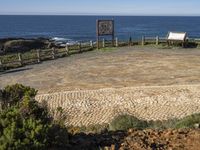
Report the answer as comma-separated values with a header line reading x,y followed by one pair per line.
x,y
21,45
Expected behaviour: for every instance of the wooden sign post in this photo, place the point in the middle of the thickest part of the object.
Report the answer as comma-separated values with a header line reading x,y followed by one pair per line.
x,y
105,28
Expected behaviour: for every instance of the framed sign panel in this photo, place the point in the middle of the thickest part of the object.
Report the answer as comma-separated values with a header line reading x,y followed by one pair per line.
x,y
104,28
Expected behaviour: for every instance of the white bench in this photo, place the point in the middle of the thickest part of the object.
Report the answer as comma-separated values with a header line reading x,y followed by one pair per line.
x,y
179,37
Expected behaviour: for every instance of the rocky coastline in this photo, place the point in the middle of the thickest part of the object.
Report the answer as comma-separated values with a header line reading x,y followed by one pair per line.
x,y
13,45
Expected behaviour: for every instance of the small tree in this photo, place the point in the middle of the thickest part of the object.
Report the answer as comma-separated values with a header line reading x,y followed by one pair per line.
x,y
12,95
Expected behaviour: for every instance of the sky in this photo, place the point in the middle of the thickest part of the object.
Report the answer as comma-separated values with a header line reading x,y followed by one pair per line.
x,y
101,7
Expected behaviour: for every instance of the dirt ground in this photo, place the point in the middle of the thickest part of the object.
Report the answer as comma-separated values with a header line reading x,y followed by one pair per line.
x,y
117,68
181,139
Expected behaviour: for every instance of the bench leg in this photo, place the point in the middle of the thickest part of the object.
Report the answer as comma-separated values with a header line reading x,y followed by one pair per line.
x,y
168,43
183,44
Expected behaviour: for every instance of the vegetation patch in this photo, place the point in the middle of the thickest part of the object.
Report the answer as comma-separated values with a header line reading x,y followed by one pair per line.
x,y
25,124
192,121
125,122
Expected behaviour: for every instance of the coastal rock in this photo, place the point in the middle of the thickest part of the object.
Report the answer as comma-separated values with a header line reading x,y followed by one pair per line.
x,y
21,45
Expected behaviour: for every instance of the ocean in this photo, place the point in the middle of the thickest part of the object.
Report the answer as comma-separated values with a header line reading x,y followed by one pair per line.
x,y
83,28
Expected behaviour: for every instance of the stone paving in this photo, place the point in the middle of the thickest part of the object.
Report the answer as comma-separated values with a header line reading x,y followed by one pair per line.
x,y
96,86
87,107
123,67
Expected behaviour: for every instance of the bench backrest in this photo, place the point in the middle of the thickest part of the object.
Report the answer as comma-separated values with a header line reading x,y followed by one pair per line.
x,y
177,36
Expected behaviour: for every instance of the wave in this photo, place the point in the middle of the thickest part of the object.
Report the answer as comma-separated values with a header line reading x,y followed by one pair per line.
x,y
63,41
60,39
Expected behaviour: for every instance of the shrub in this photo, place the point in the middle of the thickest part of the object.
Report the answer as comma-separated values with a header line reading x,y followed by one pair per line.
x,y
58,136
125,122
59,115
19,132
11,95
188,122
162,124
27,125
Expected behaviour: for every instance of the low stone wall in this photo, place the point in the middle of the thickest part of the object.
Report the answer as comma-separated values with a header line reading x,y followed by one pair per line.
x,y
101,106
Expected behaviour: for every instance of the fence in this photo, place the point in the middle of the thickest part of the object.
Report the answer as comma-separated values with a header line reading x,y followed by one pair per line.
x,y
143,41
36,56
9,61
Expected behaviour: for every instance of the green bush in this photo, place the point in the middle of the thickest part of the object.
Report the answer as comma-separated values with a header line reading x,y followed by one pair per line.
x,y
21,131
160,125
188,122
11,95
125,122
27,125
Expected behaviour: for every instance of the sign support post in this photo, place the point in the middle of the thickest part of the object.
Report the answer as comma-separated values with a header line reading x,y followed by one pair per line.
x,y
104,28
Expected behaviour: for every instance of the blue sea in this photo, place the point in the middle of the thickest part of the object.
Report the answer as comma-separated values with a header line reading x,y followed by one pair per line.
x,y
83,28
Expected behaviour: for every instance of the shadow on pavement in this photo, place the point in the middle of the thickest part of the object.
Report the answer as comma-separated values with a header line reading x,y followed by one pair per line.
x,y
14,71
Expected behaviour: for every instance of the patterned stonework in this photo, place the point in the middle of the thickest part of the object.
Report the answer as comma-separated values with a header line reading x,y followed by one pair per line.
x,y
101,106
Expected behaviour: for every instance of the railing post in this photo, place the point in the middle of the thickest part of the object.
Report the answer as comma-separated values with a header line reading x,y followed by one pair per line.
x,y
157,40
38,55
91,44
103,43
129,41
67,49
116,42
20,59
97,42
80,50
143,40
1,65
53,53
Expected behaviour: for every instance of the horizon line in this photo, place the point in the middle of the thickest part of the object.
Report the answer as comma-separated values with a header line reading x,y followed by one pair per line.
x,y
123,15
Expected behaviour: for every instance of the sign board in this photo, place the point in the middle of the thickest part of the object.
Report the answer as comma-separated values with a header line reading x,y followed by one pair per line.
x,y
179,36
105,28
